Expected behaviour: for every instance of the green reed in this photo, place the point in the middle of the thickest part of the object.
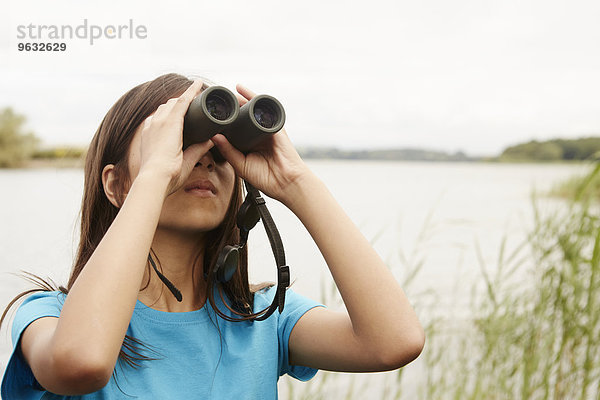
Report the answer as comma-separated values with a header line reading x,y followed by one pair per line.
x,y
532,330
571,188
538,336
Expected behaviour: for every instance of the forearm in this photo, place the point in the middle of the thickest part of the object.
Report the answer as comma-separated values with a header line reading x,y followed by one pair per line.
x,y
98,308
379,311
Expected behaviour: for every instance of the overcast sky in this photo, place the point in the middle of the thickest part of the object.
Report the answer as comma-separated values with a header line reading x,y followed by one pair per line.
x,y
470,75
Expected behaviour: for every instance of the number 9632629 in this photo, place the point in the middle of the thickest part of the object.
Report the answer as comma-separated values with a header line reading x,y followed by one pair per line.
x,y
41,46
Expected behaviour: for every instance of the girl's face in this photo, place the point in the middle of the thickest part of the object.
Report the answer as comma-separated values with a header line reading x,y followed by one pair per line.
x,y
202,202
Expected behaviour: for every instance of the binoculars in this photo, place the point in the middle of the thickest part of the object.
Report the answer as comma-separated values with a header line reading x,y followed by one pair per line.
x,y
217,110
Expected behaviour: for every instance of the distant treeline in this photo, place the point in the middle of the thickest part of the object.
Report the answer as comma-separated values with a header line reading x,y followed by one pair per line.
x,y
587,148
554,150
59,152
19,147
16,144
389,154
551,150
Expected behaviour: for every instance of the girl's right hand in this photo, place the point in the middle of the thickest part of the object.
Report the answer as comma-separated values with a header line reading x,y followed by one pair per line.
x,y
161,145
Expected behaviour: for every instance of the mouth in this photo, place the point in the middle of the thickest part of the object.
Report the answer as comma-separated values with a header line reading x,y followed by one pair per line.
x,y
201,186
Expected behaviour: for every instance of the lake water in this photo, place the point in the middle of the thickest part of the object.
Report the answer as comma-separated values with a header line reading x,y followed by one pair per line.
x,y
435,212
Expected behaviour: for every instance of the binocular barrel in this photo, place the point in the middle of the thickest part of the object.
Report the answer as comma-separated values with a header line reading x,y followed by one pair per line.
x,y
216,110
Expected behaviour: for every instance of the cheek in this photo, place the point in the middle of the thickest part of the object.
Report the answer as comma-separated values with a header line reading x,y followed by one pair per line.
x,y
134,156
228,179
134,168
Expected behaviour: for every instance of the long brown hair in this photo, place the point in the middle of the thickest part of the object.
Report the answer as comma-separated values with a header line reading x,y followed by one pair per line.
x,y
110,145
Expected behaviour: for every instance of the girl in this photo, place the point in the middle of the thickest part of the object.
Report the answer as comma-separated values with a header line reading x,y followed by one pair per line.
x,y
115,331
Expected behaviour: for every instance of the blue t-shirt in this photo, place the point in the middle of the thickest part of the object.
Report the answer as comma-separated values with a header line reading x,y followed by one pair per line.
x,y
198,355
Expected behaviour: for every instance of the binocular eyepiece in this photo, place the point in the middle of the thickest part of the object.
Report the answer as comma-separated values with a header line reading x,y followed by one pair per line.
x,y
216,110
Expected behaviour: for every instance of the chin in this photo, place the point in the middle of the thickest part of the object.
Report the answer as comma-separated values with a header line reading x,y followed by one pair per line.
x,y
199,219
193,225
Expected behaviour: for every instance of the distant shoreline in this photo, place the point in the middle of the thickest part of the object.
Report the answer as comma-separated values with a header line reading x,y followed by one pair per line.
x,y
53,163
556,151
80,163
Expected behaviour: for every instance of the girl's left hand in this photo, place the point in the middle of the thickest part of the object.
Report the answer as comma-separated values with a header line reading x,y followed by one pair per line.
x,y
273,167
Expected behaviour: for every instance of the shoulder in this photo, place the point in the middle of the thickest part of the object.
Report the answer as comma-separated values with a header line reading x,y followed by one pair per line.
x,y
37,305
45,297
293,301
43,300
296,305
18,381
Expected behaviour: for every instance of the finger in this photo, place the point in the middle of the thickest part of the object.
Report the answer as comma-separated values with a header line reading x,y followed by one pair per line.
x,y
147,121
193,154
183,101
163,110
244,91
236,158
241,100
194,88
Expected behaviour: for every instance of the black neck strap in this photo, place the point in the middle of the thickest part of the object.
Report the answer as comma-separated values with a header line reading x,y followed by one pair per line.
x,y
167,282
283,271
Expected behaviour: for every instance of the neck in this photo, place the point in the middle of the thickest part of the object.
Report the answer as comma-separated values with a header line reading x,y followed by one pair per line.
x,y
180,259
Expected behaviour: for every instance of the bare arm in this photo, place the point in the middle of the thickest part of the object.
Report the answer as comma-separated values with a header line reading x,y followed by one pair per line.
x,y
380,330
76,353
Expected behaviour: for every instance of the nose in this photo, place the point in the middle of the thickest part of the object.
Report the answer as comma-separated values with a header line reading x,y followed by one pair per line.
x,y
207,161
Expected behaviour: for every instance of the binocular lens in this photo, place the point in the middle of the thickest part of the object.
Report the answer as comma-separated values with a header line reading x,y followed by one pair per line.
x,y
218,107
217,110
265,114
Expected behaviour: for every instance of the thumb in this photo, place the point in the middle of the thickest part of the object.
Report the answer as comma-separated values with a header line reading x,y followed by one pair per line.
x,y
193,154
235,157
